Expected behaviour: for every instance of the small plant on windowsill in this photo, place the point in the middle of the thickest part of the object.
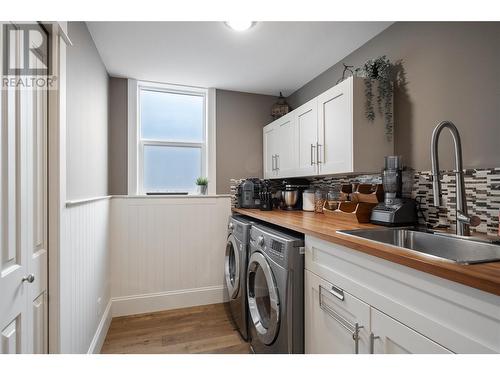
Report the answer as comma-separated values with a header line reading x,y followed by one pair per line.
x,y
202,183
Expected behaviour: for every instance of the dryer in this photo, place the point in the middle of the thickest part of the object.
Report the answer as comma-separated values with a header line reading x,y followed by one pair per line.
x,y
275,291
235,269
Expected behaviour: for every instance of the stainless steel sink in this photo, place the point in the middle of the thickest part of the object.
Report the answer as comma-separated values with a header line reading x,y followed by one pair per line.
x,y
434,244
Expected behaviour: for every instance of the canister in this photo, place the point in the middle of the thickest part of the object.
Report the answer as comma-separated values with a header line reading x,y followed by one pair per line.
x,y
308,200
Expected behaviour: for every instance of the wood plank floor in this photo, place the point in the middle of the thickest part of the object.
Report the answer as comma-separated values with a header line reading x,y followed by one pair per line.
x,y
200,329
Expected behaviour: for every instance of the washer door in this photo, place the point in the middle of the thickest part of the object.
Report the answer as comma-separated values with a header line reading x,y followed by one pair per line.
x,y
263,299
232,267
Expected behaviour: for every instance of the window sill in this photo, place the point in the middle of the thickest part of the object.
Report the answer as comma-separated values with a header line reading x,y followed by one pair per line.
x,y
169,196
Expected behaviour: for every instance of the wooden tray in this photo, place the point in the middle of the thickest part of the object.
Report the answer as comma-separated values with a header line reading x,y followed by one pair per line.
x,y
368,193
354,212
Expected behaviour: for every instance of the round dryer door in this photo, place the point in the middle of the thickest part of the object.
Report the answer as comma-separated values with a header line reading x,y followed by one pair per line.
x,y
232,267
263,299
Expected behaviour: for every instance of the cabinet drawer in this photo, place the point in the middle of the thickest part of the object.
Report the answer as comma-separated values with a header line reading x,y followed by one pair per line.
x,y
332,318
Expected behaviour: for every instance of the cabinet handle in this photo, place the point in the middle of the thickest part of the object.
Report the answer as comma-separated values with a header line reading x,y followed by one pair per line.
x,y
355,337
372,342
352,328
272,162
277,162
318,153
312,153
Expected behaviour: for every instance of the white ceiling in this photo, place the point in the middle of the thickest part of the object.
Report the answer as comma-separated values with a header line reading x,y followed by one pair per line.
x,y
271,57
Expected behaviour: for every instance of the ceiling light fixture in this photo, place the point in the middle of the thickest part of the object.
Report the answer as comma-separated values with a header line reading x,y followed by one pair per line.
x,y
240,25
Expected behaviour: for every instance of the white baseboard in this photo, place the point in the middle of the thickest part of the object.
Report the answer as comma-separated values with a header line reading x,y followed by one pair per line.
x,y
101,332
146,303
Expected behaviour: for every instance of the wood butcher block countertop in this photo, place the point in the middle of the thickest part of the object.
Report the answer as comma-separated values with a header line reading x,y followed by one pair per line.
x,y
485,276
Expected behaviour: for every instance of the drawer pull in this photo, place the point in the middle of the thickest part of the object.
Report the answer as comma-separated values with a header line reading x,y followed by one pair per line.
x,y
352,328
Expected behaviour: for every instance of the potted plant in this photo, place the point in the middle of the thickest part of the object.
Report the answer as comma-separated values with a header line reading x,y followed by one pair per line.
x,y
202,183
381,70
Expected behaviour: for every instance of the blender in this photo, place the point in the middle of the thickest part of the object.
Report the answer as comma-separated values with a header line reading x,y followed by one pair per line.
x,y
394,210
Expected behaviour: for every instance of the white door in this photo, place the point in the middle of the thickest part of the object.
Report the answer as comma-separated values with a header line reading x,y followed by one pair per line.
x,y
23,239
306,125
286,164
335,321
270,151
391,337
335,129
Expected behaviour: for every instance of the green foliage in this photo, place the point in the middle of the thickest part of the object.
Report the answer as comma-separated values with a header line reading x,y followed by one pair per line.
x,y
381,70
202,181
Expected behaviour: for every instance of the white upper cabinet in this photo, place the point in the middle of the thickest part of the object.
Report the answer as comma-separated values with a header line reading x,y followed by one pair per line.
x,y
286,150
335,128
330,135
270,145
306,140
279,148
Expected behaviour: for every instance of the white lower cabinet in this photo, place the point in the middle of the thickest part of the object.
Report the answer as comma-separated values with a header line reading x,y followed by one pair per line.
x,y
338,323
391,337
335,321
397,309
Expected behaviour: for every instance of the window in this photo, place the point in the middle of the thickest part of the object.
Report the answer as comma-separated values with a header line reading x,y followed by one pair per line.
x,y
171,138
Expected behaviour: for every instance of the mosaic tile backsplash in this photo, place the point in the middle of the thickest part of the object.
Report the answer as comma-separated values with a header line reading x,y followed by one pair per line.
x,y
482,187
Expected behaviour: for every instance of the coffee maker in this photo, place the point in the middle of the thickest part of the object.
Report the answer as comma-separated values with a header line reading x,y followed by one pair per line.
x,y
249,193
394,210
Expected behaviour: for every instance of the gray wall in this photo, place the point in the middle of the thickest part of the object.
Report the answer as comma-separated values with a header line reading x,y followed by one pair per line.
x,y
87,117
118,136
240,119
452,73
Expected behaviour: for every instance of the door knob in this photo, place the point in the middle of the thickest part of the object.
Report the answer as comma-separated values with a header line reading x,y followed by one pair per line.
x,y
30,278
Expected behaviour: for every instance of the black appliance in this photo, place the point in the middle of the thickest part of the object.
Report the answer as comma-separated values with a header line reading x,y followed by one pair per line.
x,y
249,193
395,210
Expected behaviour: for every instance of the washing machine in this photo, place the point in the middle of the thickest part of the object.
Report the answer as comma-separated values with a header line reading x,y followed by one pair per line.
x,y
275,291
235,270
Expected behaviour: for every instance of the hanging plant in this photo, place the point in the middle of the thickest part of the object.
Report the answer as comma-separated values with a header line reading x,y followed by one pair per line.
x,y
380,70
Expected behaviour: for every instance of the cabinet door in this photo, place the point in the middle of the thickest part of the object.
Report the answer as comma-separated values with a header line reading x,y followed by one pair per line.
x,y
270,145
306,125
335,128
286,164
331,316
393,337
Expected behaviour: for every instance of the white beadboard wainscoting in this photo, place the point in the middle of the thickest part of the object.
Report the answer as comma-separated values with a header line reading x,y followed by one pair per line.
x,y
125,255
85,276
167,252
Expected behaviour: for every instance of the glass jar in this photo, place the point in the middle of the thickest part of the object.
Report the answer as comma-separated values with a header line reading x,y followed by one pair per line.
x,y
319,201
332,199
308,200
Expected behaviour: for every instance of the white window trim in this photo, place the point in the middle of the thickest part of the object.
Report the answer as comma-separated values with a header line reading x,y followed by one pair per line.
x,y
135,147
